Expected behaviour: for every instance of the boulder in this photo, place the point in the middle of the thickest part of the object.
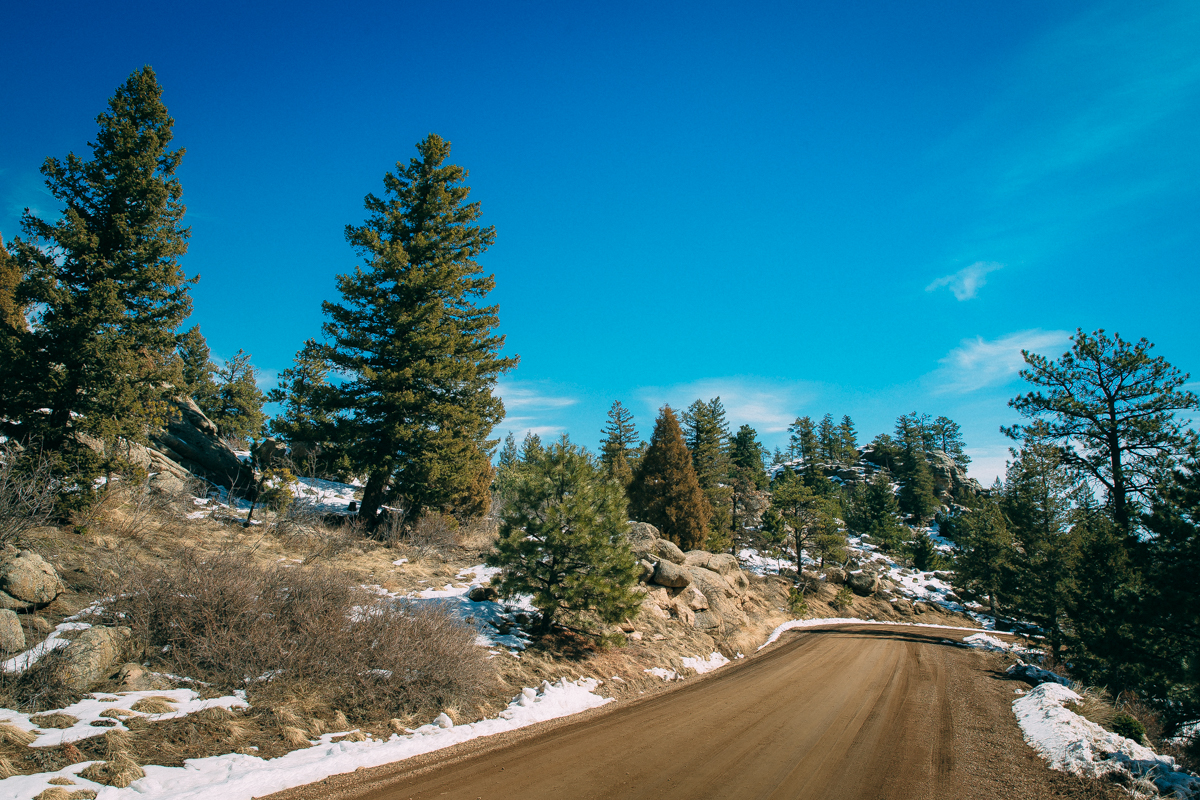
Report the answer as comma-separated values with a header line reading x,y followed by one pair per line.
x,y
655,610
672,575
683,613
642,532
668,551
167,484
647,572
657,594
136,678
863,584
693,597
91,658
711,582
12,637
480,594
697,558
835,576
903,606
948,476
192,441
709,621
268,452
27,582
724,563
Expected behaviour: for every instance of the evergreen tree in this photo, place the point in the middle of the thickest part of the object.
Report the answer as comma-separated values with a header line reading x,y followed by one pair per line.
x,y
13,332
802,439
237,406
105,282
508,464
420,356
302,391
829,440
665,492
807,513
914,432
1112,410
1038,503
707,436
197,367
917,498
872,510
848,441
531,448
985,553
778,457
620,443
746,462
947,437
562,541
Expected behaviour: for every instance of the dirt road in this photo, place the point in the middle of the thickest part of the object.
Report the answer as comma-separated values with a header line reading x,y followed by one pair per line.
x,y
854,712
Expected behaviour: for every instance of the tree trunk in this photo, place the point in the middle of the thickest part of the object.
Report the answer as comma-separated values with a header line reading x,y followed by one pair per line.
x,y
373,494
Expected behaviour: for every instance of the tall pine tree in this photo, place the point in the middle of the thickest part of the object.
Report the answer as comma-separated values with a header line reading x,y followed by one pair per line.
x,y
237,405
665,492
420,355
105,282
620,444
802,439
707,436
197,367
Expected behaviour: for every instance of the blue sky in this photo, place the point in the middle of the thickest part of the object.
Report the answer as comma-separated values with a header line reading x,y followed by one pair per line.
x,y
861,208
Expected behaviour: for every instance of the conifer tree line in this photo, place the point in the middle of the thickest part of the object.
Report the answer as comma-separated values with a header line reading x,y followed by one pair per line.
x,y
92,305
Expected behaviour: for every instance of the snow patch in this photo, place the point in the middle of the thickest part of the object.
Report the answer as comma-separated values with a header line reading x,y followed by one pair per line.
x,y
703,665
240,777
1081,747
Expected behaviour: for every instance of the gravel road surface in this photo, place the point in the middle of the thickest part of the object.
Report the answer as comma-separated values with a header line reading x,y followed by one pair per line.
x,y
871,712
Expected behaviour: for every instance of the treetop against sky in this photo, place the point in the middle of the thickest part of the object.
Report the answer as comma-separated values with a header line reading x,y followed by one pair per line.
x,y
858,208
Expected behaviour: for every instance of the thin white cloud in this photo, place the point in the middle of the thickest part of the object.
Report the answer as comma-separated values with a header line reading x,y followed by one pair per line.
x,y
978,363
767,406
967,282
532,396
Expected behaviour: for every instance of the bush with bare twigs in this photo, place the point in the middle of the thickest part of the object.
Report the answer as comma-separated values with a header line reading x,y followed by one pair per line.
x,y
281,631
27,491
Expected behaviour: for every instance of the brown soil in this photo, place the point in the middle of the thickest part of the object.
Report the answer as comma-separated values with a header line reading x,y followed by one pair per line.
x,y
849,712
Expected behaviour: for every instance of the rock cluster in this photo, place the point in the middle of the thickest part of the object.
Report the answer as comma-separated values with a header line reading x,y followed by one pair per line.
x,y
27,581
707,591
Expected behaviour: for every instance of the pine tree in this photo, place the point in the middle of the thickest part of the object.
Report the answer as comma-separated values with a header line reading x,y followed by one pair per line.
x,y
707,436
1039,503
808,514
197,367
915,432
1112,409
105,282
562,541
848,441
237,405
829,440
620,444
420,356
749,476
948,438
664,490
872,510
531,448
13,332
802,439
917,498
985,553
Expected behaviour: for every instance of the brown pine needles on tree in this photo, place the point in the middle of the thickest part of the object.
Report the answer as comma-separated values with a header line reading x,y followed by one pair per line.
x,y
665,491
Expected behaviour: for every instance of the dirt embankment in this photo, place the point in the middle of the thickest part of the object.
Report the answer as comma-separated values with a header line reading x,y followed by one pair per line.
x,y
849,712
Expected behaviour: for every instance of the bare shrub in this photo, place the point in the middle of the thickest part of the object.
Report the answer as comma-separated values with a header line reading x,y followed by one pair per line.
x,y
39,688
282,632
432,534
27,491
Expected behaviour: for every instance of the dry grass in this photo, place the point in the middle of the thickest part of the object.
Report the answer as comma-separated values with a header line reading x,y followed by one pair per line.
x,y
27,491
226,619
55,720
153,705
1095,705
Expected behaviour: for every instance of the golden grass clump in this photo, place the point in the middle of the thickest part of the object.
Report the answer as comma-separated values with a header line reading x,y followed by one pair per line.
x,y
117,713
353,736
339,720
119,772
293,736
14,735
7,769
154,705
60,781
56,720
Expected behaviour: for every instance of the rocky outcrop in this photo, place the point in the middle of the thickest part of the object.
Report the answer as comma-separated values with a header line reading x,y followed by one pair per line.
x,y
92,657
192,442
27,581
949,478
670,574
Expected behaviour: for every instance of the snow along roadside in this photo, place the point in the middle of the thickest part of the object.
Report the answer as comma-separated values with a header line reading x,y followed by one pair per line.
x,y
240,777
1081,747
821,623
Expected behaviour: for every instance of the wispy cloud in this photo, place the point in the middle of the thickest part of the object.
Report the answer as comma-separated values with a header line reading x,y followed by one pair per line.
x,y
978,363
766,405
967,282
532,396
